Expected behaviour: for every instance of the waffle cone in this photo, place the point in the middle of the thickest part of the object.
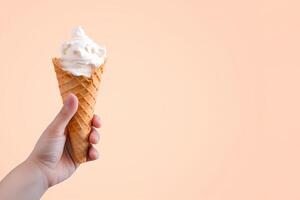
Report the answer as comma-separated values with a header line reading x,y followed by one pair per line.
x,y
85,88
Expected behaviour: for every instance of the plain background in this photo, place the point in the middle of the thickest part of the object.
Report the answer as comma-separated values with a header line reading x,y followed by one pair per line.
x,y
199,100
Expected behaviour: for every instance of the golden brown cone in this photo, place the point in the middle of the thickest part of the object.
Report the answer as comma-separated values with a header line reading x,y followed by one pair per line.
x,y
85,88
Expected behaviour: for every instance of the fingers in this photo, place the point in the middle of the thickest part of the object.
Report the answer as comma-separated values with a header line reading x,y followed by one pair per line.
x,y
93,139
65,115
96,121
94,136
93,154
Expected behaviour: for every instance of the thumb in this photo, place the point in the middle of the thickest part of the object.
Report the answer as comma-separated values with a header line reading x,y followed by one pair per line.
x,y
66,113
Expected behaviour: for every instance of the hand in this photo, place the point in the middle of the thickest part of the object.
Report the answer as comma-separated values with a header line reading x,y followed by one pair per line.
x,y
51,154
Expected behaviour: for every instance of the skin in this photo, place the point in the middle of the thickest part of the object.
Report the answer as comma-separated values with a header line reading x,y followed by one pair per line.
x,y
50,162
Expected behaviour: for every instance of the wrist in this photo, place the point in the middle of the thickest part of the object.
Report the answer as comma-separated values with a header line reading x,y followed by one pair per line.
x,y
34,170
25,182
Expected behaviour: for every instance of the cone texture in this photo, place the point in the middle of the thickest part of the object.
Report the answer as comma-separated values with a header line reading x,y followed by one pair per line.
x,y
85,88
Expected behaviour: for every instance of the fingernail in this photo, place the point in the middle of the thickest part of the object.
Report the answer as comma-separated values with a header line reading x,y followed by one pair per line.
x,y
67,101
98,118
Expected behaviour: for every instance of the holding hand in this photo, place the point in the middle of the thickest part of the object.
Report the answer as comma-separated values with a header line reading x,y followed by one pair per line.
x,y
50,162
51,154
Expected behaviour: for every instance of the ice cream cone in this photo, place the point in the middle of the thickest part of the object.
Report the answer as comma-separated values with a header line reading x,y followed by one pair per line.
x,y
85,88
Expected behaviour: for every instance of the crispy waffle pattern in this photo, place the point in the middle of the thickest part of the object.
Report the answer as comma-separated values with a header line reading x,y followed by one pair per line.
x,y
86,89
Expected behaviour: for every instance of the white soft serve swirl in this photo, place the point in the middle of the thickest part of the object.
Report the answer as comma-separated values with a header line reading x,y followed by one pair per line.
x,y
81,54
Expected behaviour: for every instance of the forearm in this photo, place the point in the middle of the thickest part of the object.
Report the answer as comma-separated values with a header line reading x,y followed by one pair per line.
x,y
25,182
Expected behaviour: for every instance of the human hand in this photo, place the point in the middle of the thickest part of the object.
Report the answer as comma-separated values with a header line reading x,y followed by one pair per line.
x,y
51,154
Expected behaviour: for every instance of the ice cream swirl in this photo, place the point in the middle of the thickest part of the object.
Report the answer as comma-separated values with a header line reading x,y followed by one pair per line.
x,y
81,54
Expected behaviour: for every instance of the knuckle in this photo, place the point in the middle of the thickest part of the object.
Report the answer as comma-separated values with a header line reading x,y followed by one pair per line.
x,y
64,113
53,130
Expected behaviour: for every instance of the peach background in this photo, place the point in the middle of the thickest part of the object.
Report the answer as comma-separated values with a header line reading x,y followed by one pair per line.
x,y
199,100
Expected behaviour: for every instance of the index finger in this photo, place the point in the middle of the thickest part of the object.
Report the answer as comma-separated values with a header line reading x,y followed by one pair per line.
x,y
96,121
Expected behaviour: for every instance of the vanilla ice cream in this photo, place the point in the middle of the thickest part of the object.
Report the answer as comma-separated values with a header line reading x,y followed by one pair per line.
x,y
81,55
